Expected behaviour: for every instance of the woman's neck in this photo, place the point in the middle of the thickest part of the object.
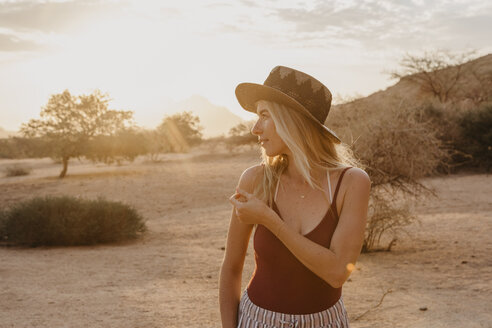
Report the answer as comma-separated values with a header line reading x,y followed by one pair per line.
x,y
294,175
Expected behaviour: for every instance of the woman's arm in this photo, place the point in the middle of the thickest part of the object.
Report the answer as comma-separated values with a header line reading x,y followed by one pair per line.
x,y
333,264
235,253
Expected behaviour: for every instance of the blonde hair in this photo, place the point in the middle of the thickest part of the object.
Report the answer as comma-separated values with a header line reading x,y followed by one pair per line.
x,y
312,150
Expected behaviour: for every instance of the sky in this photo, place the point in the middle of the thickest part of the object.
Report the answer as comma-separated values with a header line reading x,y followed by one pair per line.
x,y
148,55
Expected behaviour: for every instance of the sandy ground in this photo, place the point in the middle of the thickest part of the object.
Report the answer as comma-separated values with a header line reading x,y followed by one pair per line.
x,y
170,277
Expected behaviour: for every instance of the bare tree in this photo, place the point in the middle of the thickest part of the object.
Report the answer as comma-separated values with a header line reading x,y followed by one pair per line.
x,y
436,72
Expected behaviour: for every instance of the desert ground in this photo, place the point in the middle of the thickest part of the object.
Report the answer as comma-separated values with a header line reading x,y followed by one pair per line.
x,y
169,278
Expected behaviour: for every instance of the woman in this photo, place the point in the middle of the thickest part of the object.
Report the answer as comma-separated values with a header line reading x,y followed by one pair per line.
x,y
308,235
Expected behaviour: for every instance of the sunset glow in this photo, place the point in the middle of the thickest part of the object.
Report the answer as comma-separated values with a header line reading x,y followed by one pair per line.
x,y
149,54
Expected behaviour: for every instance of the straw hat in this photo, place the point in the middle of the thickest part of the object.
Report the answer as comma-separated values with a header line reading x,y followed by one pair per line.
x,y
294,89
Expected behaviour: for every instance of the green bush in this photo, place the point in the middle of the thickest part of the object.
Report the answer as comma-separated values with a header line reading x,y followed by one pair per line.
x,y
476,127
466,133
69,221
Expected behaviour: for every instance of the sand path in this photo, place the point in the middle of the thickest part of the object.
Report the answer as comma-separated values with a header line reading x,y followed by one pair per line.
x,y
170,278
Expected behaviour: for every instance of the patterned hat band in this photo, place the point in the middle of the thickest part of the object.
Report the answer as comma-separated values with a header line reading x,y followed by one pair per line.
x,y
305,89
292,88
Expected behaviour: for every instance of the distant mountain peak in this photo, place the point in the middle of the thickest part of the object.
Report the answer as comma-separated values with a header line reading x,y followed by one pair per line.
x,y
216,120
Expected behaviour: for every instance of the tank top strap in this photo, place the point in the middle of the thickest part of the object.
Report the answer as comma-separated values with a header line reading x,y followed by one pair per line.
x,y
329,186
338,185
276,189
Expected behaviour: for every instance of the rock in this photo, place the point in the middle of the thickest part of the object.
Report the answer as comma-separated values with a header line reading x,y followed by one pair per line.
x,y
423,308
464,262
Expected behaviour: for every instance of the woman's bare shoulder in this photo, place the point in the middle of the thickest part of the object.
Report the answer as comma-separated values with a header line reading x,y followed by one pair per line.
x,y
356,185
357,175
250,177
356,178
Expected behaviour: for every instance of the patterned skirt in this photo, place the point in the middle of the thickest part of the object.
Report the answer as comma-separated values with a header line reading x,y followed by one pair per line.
x,y
253,316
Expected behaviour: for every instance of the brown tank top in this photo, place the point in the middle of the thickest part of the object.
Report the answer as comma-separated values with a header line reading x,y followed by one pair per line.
x,y
280,282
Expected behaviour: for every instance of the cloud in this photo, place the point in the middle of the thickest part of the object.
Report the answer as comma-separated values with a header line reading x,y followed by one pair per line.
x,y
229,28
261,3
380,24
35,26
170,12
53,16
249,3
12,43
346,19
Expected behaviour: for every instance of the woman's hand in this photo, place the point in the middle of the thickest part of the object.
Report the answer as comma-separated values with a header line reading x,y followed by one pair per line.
x,y
249,209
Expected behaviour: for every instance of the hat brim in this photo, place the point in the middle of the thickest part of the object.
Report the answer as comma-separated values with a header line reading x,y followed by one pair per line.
x,y
248,94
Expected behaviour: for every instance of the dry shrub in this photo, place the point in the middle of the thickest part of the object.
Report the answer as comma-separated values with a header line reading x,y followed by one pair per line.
x,y
240,139
241,143
385,218
16,170
397,147
214,145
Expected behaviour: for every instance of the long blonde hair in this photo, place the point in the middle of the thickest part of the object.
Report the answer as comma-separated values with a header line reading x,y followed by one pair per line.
x,y
311,148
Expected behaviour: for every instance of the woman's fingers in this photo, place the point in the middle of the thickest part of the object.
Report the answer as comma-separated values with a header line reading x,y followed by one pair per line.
x,y
238,196
233,200
244,193
237,200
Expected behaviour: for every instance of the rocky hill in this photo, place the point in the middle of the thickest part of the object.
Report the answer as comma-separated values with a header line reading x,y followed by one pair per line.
x,y
473,87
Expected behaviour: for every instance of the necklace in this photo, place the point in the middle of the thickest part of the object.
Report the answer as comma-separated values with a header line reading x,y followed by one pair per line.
x,y
303,195
290,186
